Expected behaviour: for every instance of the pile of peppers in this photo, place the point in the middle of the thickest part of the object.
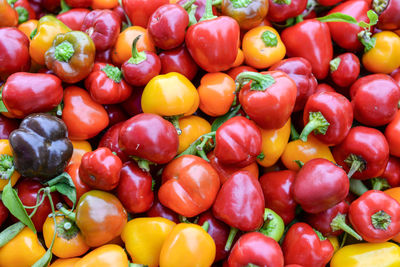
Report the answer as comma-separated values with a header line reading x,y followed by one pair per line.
x,y
197,133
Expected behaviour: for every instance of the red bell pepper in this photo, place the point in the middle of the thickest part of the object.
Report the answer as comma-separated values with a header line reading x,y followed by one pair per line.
x,y
3,213
158,210
234,72
281,10
178,60
116,114
388,11
392,132
74,18
110,140
7,125
79,3
344,69
392,172
25,11
139,11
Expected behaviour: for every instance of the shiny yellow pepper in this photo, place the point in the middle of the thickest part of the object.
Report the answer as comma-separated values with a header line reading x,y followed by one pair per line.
x,y
80,148
187,245
6,163
273,144
367,255
109,255
192,128
47,29
144,238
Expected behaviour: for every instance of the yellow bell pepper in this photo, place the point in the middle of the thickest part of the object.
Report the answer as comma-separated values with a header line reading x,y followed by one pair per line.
x,y
367,255
335,242
273,144
187,245
144,237
192,128
47,29
109,255
65,262
6,164
80,148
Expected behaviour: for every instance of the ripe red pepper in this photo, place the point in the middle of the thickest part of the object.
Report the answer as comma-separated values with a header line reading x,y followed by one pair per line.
x,y
238,141
269,99
7,125
328,116
74,18
256,249
300,70
388,11
139,11
281,10
103,26
364,153
133,105
392,172
135,188
50,5
234,72
178,60
24,10
26,93
304,247
392,132
213,42
15,52
320,185
106,85
79,3
116,114
375,98
375,216
100,169
311,40
3,213
110,140
344,69
277,189
158,210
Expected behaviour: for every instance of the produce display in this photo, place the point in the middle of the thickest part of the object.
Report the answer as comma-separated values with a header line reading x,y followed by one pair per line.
x,y
198,133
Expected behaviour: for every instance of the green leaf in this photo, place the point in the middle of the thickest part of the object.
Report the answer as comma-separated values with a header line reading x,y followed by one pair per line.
x,y
10,232
14,205
64,185
373,17
338,17
44,261
220,120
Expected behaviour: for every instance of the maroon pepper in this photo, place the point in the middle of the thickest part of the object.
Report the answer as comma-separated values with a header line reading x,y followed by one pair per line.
x,y
392,172
3,213
133,104
104,56
139,11
7,125
159,210
388,11
323,87
79,3
115,114
364,153
344,69
50,5
281,10
178,60
74,18
110,140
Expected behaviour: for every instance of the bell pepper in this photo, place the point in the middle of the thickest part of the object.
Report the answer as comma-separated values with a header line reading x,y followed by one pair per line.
x,y
116,114
375,216
213,42
47,29
367,255
7,125
344,69
15,56
24,10
392,172
192,127
27,28
139,11
364,153
74,18
106,85
180,242
65,262
158,210
394,193
281,10
144,238
7,170
391,132
71,56
190,185
107,255
273,226
79,149
40,146
8,15
50,5
110,140
23,250
387,19
26,93
80,186
255,249
248,14
178,60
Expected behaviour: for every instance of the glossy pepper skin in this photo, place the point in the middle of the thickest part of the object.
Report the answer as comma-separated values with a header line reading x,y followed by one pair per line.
x,y
366,149
269,99
375,216
190,240
106,255
330,114
300,70
15,52
139,11
144,238
190,185
344,69
387,19
303,246
24,10
100,216
238,141
213,42
26,93
311,40
392,172
178,60
281,10
375,98
40,146
110,140
248,14
256,248
71,56
8,166
8,15
74,18
391,132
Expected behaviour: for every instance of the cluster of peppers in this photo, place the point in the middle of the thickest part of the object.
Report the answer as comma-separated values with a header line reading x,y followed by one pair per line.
x,y
194,109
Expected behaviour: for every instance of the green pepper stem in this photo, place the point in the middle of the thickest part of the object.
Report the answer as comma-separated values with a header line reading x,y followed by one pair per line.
x,y
357,187
339,223
136,265
379,5
365,38
356,163
282,2
299,163
38,203
23,14
269,39
69,214
64,51
216,2
241,3
175,121
294,135
344,239
64,7
198,146
192,15
273,225
113,73
144,165
137,57
188,4
259,82
6,166
320,235
252,265
231,237
205,226
208,13
334,64
381,220
379,183
316,123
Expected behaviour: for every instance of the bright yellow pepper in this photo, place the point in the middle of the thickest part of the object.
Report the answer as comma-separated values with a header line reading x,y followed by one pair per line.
x,y
273,144
109,255
80,148
187,245
335,242
367,255
65,262
305,151
22,251
6,162
144,237
47,29
192,128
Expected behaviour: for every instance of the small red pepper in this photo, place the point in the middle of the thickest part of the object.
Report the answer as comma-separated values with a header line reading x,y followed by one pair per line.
x,y
79,3
110,140
74,18
139,11
344,69
281,10
392,133
159,210
388,11
178,60
24,10
392,172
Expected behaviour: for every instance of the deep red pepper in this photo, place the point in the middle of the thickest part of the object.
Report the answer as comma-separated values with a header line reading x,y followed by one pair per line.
x,y
50,5
300,70
25,11
115,114
329,2
277,188
135,188
311,40
392,172
103,26
139,11
281,10
238,141
178,60
388,11
323,87
375,98
158,210
364,153
256,249
79,3
74,18
213,42
7,125
375,216
14,56
344,69
133,104
234,72
104,56
392,132
3,213
328,116
110,140
320,185
304,247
